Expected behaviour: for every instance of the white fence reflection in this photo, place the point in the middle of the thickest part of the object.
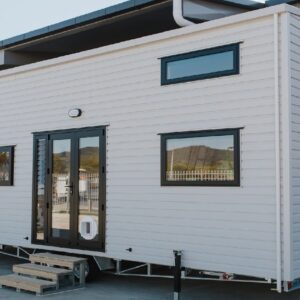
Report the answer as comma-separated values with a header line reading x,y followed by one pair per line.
x,y
88,192
4,173
201,175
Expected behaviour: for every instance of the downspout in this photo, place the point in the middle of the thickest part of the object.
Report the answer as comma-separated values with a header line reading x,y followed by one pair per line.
x,y
178,14
277,155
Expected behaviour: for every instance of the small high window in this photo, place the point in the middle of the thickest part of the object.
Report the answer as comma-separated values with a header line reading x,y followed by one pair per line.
x,y
6,165
209,63
204,158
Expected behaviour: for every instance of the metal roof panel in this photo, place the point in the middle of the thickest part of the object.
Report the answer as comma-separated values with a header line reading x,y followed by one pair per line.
x,y
36,32
90,16
119,7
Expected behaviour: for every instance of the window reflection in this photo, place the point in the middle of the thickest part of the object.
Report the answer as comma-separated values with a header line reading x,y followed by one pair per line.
x,y
4,166
201,65
207,158
89,164
61,191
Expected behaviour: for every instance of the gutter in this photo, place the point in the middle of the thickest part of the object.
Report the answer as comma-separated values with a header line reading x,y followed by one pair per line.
x,y
183,22
178,14
277,155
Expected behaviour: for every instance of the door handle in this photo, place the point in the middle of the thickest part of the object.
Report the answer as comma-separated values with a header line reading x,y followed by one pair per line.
x,y
70,187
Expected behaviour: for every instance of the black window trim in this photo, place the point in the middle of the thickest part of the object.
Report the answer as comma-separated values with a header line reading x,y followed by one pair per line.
x,y
11,151
202,133
230,47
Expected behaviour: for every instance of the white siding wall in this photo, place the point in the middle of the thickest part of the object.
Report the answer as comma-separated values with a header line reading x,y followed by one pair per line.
x,y
295,140
230,229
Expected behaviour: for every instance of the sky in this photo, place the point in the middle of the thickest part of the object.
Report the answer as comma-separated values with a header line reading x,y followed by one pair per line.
x,y
21,16
221,142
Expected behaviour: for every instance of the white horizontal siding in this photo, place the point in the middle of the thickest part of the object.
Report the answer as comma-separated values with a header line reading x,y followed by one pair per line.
x,y
230,229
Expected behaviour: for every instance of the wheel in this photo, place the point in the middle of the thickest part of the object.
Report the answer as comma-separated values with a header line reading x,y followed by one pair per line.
x,y
91,270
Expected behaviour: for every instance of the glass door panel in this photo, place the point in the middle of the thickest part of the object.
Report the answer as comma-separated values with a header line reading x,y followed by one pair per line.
x,y
61,189
88,187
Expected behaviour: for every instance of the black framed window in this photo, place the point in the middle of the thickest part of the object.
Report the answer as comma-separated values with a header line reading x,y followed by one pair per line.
x,y
6,166
203,64
201,158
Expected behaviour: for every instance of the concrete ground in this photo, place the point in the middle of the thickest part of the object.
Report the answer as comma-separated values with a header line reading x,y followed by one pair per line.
x,y
108,287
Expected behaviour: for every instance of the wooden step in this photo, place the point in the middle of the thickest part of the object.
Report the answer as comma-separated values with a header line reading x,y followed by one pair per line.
x,y
56,260
26,283
42,271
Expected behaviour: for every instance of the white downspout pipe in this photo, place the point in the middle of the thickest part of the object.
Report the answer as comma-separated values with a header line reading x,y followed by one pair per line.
x,y
178,14
277,150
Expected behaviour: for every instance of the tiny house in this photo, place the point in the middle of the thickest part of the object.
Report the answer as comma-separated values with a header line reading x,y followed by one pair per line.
x,y
154,126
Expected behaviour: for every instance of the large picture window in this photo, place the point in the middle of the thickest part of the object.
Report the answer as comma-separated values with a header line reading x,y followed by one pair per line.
x,y
205,158
208,63
6,165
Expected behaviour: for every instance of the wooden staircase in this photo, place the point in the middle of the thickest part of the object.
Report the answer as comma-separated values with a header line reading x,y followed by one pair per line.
x,y
47,272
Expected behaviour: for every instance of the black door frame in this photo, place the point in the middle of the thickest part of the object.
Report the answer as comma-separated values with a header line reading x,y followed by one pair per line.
x,y
74,135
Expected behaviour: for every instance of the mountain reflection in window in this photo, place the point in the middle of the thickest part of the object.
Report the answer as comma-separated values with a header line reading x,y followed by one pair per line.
x,y
204,158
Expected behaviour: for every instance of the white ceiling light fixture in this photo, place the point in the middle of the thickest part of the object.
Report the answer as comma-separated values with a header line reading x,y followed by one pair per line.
x,y
75,113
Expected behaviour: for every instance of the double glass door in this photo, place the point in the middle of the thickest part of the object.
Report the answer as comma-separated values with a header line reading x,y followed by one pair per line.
x,y
75,189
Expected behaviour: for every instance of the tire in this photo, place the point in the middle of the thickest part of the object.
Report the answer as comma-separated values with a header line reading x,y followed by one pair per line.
x,y
91,270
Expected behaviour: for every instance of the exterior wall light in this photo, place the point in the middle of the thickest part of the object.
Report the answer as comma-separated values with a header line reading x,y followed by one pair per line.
x,y
75,113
